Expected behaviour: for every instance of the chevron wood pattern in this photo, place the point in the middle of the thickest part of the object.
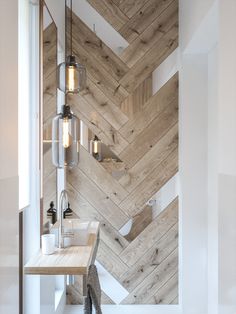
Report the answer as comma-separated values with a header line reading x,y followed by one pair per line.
x,y
142,130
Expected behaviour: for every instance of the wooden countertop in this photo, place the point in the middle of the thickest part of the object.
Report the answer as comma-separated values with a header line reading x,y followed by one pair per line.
x,y
74,260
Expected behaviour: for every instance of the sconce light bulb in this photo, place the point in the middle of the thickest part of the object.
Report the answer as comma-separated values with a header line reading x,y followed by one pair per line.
x,y
95,147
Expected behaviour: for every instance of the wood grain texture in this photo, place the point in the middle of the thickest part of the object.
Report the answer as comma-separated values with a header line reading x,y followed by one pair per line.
x,y
99,75
108,234
111,261
151,35
137,199
145,141
130,7
97,49
151,60
150,110
136,101
151,259
141,171
97,198
110,12
100,103
152,233
96,173
143,18
96,122
139,223
141,129
74,260
167,293
141,294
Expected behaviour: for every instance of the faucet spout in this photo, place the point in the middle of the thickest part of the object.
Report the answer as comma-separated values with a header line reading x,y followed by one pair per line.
x,y
63,203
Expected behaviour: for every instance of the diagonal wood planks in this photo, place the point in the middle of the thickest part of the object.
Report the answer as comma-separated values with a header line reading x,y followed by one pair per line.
x,y
142,130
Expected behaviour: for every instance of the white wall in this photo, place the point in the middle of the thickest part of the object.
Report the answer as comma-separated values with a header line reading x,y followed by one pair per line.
x,y
227,157
198,155
9,186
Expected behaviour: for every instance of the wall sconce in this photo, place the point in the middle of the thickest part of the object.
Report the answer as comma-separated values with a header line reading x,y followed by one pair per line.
x,y
71,75
96,148
65,139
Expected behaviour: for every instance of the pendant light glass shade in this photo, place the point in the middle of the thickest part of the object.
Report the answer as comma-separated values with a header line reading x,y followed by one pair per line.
x,y
65,139
71,76
96,148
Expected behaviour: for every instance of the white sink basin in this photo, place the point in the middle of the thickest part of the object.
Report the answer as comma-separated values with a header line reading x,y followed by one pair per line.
x,y
77,227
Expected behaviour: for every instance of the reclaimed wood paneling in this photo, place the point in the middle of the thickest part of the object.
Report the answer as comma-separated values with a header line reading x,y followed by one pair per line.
x,y
142,131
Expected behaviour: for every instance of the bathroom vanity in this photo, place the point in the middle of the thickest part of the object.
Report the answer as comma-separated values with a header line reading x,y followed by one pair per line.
x,y
72,260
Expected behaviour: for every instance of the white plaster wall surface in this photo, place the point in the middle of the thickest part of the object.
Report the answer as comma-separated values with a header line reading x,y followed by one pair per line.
x,y
193,184
213,181
191,13
227,157
9,204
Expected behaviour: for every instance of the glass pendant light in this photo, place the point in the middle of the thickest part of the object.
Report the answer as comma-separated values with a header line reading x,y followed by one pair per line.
x,y
71,75
96,148
65,139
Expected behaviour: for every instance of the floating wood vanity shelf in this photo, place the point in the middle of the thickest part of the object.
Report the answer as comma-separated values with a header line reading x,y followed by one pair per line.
x,y
74,260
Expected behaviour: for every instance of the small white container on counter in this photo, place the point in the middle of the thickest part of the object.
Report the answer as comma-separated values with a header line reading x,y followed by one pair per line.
x,y
48,244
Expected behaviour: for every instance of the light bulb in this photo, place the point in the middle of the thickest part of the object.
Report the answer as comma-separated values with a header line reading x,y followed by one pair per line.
x,y
95,147
65,133
71,78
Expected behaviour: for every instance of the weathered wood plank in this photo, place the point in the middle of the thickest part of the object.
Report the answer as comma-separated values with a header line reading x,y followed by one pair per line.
x,y
49,111
139,223
102,104
135,102
151,60
110,12
49,88
143,18
95,172
97,198
108,234
136,200
74,294
151,259
141,171
97,73
130,7
152,34
49,50
97,123
151,135
83,35
142,293
153,233
166,293
151,109
111,261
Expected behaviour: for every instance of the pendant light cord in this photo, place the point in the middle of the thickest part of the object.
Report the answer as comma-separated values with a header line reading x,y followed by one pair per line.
x,y
71,52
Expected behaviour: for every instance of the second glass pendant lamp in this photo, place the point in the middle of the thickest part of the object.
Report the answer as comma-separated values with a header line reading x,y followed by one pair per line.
x,y
65,139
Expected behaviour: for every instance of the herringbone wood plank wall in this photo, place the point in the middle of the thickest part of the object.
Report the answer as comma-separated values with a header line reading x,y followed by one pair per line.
x,y
142,130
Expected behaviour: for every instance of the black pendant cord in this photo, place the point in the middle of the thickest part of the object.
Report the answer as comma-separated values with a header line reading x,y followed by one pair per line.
x,y
65,45
71,52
